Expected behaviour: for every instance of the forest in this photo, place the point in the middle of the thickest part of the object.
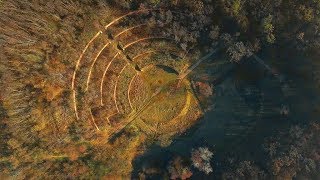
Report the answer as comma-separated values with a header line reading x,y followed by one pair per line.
x,y
160,89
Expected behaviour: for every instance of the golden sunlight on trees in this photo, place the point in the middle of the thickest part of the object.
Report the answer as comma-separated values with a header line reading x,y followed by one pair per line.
x,y
268,29
87,87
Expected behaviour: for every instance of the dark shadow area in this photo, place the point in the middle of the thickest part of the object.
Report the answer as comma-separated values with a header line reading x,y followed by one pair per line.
x,y
167,69
248,105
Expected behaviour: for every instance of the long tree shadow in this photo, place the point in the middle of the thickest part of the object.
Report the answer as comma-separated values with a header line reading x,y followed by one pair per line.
x,y
227,129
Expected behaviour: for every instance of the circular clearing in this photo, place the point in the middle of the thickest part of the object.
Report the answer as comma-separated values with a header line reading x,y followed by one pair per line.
x,y
160,96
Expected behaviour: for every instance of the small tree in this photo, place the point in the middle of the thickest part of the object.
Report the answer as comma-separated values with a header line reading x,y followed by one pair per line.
x,y
201,159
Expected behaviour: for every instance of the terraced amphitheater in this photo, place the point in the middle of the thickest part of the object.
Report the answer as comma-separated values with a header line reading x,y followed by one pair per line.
x,y
123,78
110,84
150,89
